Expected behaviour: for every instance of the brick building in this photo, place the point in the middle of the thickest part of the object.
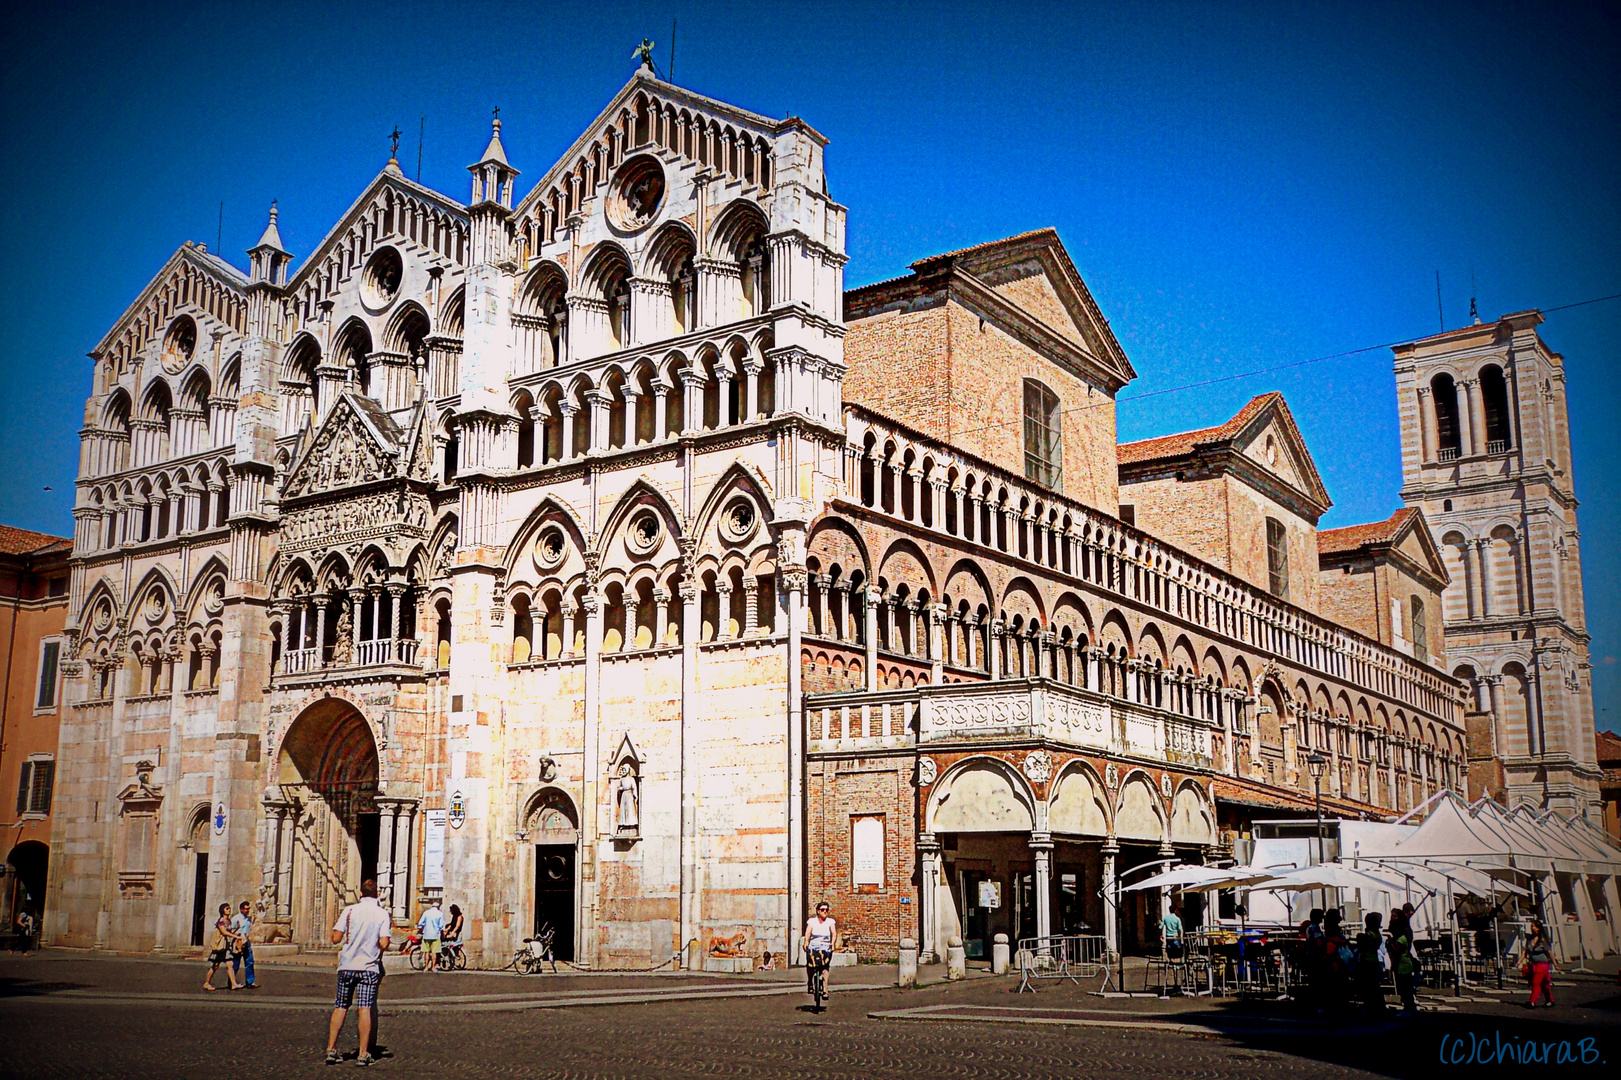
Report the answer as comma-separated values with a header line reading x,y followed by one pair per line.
x,y
34,595
593,559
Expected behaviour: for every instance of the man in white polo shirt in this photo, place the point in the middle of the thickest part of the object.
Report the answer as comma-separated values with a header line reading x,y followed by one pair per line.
x,y
363,931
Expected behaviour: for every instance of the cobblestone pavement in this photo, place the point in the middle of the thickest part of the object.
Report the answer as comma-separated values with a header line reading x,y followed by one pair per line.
x,y
75,1016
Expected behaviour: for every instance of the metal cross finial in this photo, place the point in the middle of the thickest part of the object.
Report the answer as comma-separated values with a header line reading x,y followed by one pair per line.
x,y
394,143
497,112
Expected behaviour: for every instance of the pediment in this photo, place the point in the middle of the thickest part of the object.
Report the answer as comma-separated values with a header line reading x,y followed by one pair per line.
x,y
388,209
194,282
1271,440
357,443
1271,448
1415,544
627,118
1027,285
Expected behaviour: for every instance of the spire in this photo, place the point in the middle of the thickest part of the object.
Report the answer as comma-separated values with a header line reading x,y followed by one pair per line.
x,y
272,235
492,175
495,151
268,259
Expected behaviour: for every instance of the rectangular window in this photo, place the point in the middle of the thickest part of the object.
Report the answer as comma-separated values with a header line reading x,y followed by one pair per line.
x,y
867,851
50,655
1421,630
1277,559
1043,450
35,785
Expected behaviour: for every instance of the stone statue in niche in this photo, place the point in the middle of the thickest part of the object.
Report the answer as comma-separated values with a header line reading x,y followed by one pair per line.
x,y
627,799
344,646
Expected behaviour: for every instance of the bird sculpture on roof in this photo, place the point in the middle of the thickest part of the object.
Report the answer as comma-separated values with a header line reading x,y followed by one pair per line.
x,y
644,52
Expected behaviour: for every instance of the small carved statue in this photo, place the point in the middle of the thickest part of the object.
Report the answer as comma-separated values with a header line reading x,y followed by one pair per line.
x,y
627,798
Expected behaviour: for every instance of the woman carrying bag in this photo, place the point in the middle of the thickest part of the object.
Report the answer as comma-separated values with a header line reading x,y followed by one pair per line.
x,y
219,952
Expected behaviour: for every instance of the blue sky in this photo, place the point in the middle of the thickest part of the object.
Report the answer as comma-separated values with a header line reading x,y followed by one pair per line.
x,y
1241,186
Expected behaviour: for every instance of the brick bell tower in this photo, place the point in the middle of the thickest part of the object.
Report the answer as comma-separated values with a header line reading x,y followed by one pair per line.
x,y
1486,455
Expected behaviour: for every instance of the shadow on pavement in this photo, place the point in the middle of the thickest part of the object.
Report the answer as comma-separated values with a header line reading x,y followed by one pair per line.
x,y
10,987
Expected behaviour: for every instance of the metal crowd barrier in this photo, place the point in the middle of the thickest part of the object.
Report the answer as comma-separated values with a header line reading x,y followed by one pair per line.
x,y
1070,956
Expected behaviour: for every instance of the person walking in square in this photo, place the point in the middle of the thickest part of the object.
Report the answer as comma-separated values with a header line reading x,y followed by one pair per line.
x,y
242,955
432,928
219,950
363,931
1538,963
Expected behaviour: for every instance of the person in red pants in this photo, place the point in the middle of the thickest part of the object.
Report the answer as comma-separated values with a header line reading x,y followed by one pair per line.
x,y
1539,963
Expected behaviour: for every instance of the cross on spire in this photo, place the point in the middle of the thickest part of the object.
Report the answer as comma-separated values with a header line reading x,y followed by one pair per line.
x,y
496,112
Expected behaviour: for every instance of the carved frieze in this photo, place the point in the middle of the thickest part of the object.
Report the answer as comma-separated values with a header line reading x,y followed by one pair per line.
x,y
345,453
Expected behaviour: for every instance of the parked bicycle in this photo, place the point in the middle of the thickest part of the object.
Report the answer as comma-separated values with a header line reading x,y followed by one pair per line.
x,y
452,954
536,952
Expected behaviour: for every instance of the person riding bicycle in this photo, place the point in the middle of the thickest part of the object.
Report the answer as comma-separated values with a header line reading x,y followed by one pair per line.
x,y
820,939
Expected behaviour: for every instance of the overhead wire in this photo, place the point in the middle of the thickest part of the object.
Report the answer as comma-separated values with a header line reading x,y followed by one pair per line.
x,y
1126,399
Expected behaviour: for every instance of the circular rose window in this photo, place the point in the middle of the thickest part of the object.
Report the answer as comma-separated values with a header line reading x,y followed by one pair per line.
x,y
643,535
638,192
738,521
384,271
550,549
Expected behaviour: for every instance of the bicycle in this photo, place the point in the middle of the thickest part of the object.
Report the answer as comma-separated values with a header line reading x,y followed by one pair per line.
x,y
535,953
452,956
818,962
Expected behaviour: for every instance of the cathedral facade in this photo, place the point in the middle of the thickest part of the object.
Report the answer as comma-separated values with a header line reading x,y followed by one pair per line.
x,y
595,561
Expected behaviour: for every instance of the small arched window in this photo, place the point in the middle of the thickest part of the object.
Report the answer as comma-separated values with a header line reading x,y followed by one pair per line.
x,y
1494,397
1448,443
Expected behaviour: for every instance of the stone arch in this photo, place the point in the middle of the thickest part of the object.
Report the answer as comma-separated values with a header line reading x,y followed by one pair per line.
x,y
905,562
835,542
1193,819
981,794
1079,805
1139,810
328,767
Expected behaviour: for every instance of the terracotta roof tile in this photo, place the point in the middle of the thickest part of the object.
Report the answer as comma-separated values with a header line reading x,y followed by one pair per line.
x,y
1609,746
1351,537
14,541
1168,446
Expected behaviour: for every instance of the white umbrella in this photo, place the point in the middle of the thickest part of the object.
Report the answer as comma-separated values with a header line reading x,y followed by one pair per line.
x,y
1326,876
1182,877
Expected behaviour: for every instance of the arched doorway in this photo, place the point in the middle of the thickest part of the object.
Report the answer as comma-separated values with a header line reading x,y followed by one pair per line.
x,y
552,827
197,834
29,861
327,770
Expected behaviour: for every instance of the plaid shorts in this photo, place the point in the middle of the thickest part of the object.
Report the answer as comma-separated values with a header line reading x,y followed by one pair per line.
x,y
364,981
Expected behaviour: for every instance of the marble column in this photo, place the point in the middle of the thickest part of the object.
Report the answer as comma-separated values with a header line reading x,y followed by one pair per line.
x,y
1041,846
928,849
1111,917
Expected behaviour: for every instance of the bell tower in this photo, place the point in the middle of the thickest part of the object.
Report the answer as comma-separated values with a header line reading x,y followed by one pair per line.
x,y
1486,455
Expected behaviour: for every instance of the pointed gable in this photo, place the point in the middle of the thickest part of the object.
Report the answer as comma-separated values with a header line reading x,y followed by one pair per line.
x,y
356,444
392,209
1404,537
1261,444
649,113
193,282
1028,286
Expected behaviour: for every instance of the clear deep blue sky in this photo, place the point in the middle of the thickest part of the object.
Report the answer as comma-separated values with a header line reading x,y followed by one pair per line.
x,y
1242,186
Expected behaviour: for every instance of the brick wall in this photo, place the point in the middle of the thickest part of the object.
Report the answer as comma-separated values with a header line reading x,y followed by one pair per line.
x,y
938,367
838,791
